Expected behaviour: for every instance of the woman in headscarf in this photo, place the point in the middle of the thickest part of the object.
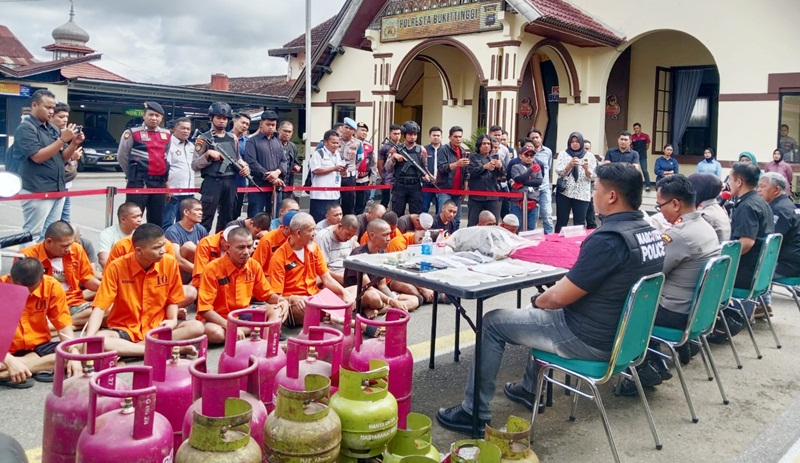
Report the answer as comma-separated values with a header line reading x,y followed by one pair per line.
x,y
576,169
707,187
709,165
780,166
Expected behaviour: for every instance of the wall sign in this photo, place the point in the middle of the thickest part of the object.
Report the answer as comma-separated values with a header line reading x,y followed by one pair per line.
x,y
133,112
15,89
437,22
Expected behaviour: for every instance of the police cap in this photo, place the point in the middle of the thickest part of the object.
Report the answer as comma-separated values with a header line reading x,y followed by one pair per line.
x,y
153,106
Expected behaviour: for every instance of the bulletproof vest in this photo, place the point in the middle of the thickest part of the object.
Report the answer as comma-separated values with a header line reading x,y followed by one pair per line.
x,y
223,167
148,153
406,170
645,257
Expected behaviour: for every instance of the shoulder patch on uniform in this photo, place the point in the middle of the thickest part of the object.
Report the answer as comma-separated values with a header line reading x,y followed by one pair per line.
x,y
198,144
127,134
163,135
667,239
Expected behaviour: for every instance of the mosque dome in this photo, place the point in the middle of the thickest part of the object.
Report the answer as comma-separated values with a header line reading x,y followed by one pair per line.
x,y
70,33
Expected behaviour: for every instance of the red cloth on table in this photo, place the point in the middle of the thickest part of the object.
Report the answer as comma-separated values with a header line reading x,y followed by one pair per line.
x,y
555,250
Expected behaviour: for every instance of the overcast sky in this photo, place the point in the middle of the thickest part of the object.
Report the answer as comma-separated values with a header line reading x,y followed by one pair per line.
x,y
172,42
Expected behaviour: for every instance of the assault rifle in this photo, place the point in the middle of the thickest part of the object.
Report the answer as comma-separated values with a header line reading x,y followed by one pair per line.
x,y
402,152
213,144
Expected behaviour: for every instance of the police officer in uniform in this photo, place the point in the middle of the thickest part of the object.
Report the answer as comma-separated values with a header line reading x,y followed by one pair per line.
x,y
579,316
217,158
408,175
142,155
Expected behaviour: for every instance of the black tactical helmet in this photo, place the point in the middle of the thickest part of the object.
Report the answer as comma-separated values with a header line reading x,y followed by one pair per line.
x,y
410,127
220,109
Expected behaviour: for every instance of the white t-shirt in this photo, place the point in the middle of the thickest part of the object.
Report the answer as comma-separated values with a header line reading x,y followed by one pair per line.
x,y
324,158
108,237
301,254
57,264
334,250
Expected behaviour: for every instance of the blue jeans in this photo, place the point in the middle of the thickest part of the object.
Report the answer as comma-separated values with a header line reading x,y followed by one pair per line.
x,y
429,198
38,214
172,210
546,207
536,328
65,211
259,202
442,198
533,215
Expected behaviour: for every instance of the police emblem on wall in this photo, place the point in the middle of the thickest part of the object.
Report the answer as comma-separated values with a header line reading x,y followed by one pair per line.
x,y
490,15
612,107
525,108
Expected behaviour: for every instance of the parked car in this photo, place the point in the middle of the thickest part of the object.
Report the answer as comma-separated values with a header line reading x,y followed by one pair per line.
x,y
99,150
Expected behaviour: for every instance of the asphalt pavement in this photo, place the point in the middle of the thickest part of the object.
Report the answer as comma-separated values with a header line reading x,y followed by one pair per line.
x,y
761,423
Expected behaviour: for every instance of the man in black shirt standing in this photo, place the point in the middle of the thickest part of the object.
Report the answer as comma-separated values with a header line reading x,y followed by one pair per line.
x,y
623,152
751,220
218,190
579,315
406,164
266,157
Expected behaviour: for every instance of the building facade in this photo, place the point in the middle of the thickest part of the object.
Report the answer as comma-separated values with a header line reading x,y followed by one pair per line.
x,y
716,74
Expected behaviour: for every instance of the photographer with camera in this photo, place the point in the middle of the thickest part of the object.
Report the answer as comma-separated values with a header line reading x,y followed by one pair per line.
x,y
575,171
485,171
60,119
38,156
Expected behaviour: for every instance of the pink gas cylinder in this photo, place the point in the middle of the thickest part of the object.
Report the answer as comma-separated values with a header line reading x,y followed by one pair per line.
x,y
136,432
327,301
391,348
263,342
67,406
171,375
211,390
303,358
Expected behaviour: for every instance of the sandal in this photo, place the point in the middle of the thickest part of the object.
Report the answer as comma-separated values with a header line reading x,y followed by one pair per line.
x,y
28,383
43,376
372,332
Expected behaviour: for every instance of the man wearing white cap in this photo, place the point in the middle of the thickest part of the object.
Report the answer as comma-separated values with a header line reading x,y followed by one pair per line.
x,y
351,151
511,223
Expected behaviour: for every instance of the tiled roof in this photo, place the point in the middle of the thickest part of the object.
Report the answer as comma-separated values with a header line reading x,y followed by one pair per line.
x,y
47,66
318,34
90,71
12,51
276,86
563,14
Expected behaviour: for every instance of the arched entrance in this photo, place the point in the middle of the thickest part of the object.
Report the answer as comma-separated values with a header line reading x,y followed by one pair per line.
x,y
438,84
668,82
549,66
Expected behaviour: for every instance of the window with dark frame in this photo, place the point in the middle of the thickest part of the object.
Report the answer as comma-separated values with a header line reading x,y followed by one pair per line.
x,y
342,110
789,126
661,111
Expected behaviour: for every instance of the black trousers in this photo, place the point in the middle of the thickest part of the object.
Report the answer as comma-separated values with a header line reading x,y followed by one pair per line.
x,y
476,206
643,165
410,195
386,196
218,193
566,204
591,220
152,205
348,198
362,197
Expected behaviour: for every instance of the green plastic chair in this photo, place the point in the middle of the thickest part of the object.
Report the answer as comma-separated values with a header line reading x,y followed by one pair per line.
x,y
732,249
789,283
630,346
762,279
702,315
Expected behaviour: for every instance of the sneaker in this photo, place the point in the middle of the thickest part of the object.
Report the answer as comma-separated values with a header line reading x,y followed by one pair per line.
x,y
647,189
761,312
456,419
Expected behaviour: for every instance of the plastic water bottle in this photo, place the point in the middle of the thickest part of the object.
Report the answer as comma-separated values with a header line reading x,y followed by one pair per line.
x,y
427,244
441,243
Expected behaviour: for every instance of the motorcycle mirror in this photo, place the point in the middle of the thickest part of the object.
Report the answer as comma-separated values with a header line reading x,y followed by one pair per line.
x,y
10,184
